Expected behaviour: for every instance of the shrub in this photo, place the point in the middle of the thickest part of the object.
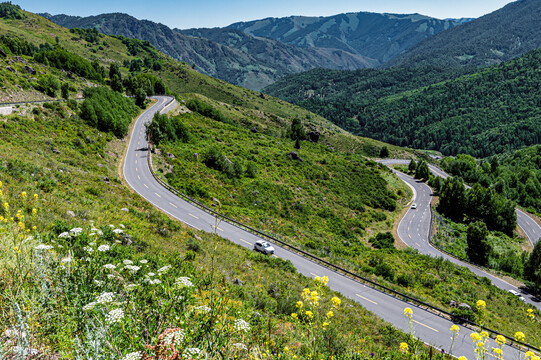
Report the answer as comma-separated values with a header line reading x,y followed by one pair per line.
x,y
206,110
60,58
383,241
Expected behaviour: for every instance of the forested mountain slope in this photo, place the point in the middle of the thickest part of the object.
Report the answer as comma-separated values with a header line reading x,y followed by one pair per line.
x,y
499,36
377,36
489,112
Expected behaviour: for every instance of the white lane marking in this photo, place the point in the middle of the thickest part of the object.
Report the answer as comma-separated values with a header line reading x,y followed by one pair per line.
x,y
246,242
173,205
314,274
426,326
192,215
146,185
362,297
136,169
158,195
138,177
136,161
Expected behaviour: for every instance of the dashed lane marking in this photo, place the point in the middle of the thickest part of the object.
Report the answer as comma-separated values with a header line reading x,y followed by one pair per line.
x,y
246,242
173,205
138,177
426,326
158,195
146,185
362,297
192,215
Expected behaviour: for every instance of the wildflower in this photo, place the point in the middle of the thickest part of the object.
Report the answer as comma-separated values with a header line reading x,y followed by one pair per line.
x,y
105,298
500,340
133,268
164,269
519,336
21,225
336,301
143,261
99,282
481,305
240,346
174,336
241,325
104,248
294,316
529,355
408,312
127,262
330,314
35,196
23,194
109,266
475,337
150,274
89,306
484,335
118,231
530,314
183,282
299,304
309,314
67,259
202,308
404,348
133,356
64,235
122,226
498,352
43,247
76,231
305,292
325,324
455,329
88,249
191,353
462,358
114,316
154,281
34,211
130,286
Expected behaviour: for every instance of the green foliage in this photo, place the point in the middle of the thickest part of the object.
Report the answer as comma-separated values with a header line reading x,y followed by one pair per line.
x,y
17,46
162,128
107,110
206,110
49,84
478,247
453,198
384,152
65,90
383,241
532,268
10,11
65,60
421,171
89,35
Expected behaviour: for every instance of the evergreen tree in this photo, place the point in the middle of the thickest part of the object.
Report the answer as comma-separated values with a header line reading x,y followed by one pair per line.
x,y
452,198
532,268
412,166
297,132
140,97
65,90
422,172
384,152
478,246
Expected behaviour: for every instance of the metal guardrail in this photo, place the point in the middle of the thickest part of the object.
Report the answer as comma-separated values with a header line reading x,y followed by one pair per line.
x,y
331,266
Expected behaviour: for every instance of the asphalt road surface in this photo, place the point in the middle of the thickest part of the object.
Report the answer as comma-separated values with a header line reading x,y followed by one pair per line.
x,y
429,327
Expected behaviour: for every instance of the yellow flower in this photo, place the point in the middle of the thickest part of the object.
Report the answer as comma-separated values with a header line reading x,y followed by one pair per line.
x,y
294,316
455,329
34,211
309,314
404,348
23,194
34,228
286,349
475,337
324,280
6,206
317,279
519,336
481,305
462,358
299,304
484,334
408,312
325,324
330,314
498,352
21,225
0,184
500,340
529,355
336,301
35,196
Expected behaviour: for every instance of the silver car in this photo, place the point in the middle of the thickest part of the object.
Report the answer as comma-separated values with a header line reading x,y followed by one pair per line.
x,y
263,247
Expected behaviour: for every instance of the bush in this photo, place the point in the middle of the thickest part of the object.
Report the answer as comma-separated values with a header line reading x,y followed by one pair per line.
x,y
162,128
206,110
65,60
383,241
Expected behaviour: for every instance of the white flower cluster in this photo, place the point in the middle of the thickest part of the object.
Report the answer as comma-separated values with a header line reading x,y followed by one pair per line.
x,y
76,231
109,266
89,307
88,249
104,248
133,268
130,286
118,231
143,261
64,235
192,353
164,269
106,297
43,247
241,325
133,356
127,262
153,281
240,346
178,336
184,282
114,316
150,274
202,308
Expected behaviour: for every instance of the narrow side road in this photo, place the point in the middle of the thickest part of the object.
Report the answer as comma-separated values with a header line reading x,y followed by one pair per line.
x,y
429,327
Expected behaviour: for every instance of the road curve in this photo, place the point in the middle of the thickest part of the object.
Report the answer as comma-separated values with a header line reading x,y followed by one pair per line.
x,y
414,229
429,327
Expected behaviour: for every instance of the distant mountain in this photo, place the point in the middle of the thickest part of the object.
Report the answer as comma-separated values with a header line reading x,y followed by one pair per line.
x,y
377,36
226,54
499,36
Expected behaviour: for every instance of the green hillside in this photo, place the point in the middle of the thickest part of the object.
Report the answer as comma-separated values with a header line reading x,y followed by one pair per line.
x,y
90,270
489,112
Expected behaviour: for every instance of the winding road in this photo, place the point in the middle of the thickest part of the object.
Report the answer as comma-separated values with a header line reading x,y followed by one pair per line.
x,y
429,327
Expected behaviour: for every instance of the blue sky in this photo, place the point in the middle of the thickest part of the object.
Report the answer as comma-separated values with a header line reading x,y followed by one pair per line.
x,y
217,13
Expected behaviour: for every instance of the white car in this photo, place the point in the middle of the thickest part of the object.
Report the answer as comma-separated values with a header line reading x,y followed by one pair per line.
x,y
414,206
516,293
263,247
